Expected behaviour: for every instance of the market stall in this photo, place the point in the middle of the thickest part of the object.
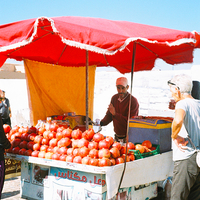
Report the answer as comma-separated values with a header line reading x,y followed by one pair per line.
x,y
46,45
76,179
124,45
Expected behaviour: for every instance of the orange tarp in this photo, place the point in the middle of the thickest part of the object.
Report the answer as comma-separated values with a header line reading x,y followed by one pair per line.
x,y
55,90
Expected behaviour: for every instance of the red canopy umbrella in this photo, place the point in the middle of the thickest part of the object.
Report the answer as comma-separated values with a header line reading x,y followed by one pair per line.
x,y
80,41
63,41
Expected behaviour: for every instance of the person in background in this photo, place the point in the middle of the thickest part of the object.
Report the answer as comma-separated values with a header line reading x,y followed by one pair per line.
x,y
186,174
4,144
119,108
5,109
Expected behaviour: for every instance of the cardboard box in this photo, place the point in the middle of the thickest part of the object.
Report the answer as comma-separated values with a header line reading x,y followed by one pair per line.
x,y
158,131
74,121
12,168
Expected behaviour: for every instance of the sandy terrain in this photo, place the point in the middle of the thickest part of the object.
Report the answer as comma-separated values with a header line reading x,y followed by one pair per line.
x,y
149,87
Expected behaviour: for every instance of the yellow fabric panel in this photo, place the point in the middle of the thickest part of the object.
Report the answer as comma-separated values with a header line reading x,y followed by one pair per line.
x,y
149,124
55,90
158,126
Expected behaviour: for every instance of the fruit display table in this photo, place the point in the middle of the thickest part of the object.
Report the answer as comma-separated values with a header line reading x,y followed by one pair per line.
x,y
51,179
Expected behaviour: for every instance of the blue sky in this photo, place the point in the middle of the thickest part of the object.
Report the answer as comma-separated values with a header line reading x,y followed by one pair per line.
x,y
175,14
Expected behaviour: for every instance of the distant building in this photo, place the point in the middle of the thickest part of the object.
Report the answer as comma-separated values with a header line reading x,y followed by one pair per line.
x,y
12,71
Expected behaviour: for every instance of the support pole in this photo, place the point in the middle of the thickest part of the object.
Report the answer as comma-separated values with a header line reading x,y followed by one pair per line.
x,y
132,70
87,77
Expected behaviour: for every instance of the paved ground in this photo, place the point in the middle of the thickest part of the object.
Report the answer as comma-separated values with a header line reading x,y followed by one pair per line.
x,y
11,189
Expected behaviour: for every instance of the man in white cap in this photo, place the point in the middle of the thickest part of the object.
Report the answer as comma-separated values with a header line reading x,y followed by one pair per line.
x,y
119,108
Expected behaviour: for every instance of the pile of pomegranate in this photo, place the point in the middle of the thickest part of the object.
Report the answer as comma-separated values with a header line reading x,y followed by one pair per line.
x,y
64,144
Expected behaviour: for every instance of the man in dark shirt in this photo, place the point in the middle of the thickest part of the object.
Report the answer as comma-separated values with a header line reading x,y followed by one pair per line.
x,y
119,108
5,109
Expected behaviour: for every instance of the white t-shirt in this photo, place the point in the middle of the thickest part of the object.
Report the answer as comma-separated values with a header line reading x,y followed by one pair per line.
x,y
191,127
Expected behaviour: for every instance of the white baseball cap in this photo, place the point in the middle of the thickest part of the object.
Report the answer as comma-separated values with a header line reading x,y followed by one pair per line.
x,y
122,81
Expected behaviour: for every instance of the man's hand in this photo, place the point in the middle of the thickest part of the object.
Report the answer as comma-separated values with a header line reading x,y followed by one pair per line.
x,y
180,143
111,108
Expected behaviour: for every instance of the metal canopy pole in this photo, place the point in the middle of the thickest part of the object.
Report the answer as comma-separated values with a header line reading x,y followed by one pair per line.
x,y
132,70
87,106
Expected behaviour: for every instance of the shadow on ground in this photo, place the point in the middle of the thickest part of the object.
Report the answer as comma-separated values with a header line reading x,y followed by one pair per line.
x,y
10,194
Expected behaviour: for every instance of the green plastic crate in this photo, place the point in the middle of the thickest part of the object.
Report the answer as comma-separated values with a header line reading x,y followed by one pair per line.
x,y
139,155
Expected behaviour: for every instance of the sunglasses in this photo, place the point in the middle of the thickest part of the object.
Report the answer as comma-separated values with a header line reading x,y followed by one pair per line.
x,y
170,83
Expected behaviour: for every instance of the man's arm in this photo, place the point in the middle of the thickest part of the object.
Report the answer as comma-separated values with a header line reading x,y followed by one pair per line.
x,y
176,127
10,112
4,142
177,122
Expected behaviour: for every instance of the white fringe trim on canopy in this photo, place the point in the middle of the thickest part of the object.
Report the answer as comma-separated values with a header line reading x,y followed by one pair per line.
x,y
89,47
